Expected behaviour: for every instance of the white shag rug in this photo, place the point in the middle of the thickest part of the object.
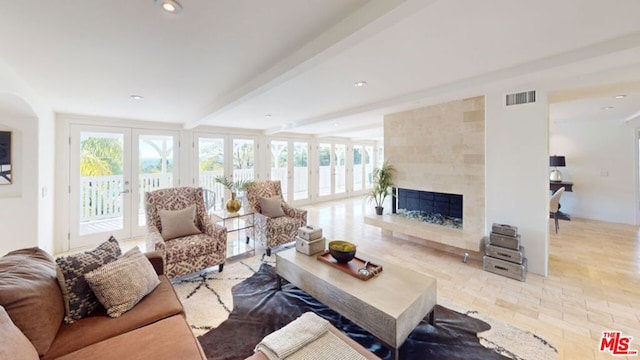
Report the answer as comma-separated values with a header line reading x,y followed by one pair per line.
x,y
208,301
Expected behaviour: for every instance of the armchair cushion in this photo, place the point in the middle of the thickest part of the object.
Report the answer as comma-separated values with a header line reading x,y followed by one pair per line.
x,y
178,223
271,207
121,284
79,300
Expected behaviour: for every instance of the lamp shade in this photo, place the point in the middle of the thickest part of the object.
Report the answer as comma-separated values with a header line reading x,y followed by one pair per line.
x,y
557,161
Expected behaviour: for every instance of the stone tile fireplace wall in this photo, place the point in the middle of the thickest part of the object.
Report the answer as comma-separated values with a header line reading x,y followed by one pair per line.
x,y
440,148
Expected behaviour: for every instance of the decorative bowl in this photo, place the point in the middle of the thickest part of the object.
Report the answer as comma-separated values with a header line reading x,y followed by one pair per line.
x,y
342,251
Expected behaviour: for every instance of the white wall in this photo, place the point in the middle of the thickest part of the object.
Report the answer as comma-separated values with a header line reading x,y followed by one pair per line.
x,y
25,214
603,189
46,180
18,205
517,168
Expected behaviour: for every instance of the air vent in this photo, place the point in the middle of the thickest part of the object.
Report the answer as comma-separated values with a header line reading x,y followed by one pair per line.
x,y
521,98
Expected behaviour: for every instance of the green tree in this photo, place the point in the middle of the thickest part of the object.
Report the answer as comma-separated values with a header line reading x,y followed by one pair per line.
x,y
101,157
211,157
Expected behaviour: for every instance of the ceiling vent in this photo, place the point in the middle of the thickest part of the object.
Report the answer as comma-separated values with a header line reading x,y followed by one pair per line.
x,y
521,98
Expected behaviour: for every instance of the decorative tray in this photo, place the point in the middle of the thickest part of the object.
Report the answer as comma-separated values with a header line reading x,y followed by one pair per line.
x,y
352,266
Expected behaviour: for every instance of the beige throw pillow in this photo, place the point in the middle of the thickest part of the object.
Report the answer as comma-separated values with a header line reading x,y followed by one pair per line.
x,y
271,207
121,284
178,223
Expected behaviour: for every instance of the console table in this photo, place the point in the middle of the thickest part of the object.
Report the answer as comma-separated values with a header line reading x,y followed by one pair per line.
x,y
554,186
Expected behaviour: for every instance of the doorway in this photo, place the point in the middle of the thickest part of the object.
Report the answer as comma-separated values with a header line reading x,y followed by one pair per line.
x,y
111,169
290,165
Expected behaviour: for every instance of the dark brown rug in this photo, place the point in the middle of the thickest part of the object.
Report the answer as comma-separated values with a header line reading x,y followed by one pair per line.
x,y
261,308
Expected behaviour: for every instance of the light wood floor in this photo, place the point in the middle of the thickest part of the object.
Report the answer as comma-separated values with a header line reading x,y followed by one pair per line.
x,y
593,283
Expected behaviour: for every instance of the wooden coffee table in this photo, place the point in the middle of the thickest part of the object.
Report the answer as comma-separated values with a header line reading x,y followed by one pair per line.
x,y
389,306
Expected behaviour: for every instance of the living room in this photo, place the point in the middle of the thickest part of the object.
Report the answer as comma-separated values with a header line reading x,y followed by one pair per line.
x,y
73,74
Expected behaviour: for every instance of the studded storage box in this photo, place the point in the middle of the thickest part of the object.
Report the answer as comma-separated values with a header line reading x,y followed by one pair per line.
x,y
310,247
504,229
505,268
310,232
511,242
499,252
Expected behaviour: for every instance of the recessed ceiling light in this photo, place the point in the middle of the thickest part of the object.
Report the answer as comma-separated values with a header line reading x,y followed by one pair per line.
x,y
621,96
136,97
170,6
360,83
607,108
267,115
335,124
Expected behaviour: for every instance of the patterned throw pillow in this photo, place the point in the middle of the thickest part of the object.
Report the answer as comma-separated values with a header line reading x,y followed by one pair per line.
x,y
79,300
121,284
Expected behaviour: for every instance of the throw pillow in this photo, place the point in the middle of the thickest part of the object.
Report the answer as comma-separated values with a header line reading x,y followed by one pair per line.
x,y
14,344
121,284
79,300
271,207
178,223
30,294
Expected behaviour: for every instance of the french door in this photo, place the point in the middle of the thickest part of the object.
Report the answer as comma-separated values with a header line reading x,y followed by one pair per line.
x,y
290,165
231,156
332,170
362,168
111,169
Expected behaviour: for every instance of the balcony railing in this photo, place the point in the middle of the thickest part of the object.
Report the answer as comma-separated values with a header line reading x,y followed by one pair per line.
x,y
100,196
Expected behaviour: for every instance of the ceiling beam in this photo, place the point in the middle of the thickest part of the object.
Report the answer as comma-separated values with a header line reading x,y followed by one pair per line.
x,y
335,132
470,86
367,21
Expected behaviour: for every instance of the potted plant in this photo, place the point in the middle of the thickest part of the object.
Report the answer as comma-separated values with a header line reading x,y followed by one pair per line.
x,y
382,182
234,204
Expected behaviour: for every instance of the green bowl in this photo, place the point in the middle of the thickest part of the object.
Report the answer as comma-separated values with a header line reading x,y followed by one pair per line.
x,y
342,251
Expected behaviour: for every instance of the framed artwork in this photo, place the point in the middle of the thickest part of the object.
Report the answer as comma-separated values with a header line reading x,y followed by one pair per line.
x,y
5,157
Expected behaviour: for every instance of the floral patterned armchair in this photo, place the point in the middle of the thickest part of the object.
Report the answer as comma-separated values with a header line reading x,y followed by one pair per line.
x,y
272,231
183,255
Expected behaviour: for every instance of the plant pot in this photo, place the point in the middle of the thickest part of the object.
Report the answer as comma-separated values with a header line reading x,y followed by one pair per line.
x,y
234,204
379,210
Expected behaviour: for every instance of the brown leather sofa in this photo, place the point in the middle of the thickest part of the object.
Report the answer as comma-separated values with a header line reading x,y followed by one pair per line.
x,y
32,310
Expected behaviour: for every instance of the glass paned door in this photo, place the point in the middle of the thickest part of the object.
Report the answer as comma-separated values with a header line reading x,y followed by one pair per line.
x,y
324,173
156,168
340,169
244,157
300,170
280,164
357,168
100,189
211,164
111,169
368,166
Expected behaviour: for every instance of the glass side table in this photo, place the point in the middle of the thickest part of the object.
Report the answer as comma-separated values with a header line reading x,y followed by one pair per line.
x,y
238,241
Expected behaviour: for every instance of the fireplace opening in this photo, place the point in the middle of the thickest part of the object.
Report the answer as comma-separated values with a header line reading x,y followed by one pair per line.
x,y
430,207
